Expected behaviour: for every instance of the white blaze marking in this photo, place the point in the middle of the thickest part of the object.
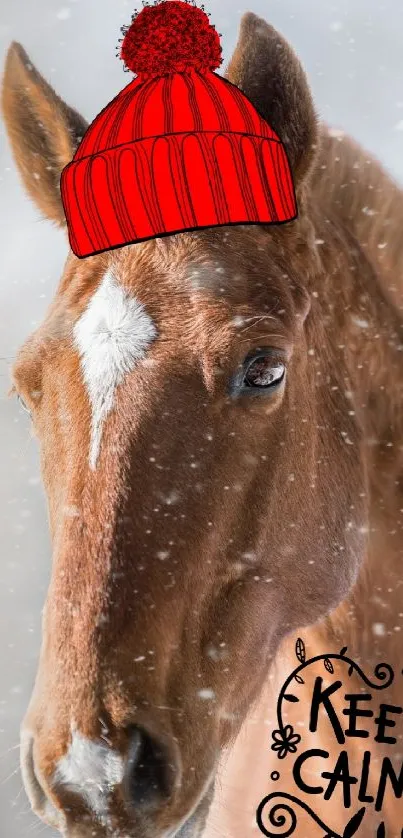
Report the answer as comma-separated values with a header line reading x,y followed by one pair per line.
x,y
112,334
91,768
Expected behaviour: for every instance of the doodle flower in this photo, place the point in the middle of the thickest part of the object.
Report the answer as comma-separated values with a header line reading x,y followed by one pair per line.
x,y
285,741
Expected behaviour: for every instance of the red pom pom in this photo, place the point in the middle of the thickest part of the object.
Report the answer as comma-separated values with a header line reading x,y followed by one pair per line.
x,y
171,37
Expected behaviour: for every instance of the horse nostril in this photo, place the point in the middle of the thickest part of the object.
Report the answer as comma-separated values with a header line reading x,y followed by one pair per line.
x,y
30,777
39,800
150,774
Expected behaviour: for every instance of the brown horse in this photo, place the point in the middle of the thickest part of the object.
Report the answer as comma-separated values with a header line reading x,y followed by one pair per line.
x,y
221,430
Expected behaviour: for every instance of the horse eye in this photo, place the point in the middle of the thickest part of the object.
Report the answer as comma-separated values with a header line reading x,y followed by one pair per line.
x,y
23,405
263,373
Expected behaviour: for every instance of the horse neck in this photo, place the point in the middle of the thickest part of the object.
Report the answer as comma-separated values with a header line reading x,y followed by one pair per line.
x,y
362,209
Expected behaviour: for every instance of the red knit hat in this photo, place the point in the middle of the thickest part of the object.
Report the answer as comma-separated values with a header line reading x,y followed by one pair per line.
x,y
178,149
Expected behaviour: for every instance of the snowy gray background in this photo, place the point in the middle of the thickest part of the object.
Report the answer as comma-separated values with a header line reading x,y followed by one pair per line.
x,y
353,53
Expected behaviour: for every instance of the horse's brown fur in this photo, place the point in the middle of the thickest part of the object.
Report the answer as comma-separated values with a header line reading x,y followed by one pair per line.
x,y
278,503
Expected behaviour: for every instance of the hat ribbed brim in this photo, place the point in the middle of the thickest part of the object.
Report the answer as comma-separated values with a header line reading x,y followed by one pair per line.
x,y
172,183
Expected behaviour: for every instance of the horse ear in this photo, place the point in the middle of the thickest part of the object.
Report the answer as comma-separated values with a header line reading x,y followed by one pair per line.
x,y
267,70
44,132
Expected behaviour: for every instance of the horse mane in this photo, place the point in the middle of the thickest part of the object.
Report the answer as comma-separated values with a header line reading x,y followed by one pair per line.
x,y
350,183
